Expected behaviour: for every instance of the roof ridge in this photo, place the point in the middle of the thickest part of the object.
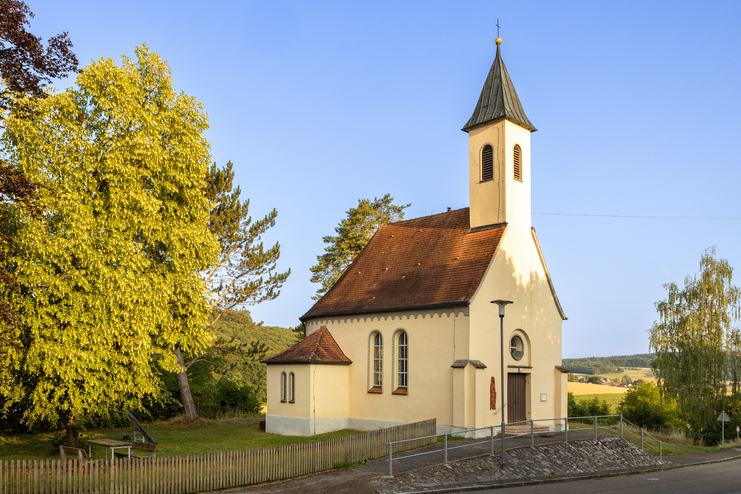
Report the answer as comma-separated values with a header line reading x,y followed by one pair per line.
x,y
318,343
307,351
428,216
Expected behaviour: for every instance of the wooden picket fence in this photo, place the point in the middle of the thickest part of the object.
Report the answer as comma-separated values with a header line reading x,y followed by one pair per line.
x,y
204,472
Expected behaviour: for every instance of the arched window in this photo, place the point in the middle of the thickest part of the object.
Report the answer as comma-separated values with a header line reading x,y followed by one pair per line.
x,y
487,163
518,162
377,360
292,388
282,387
403,372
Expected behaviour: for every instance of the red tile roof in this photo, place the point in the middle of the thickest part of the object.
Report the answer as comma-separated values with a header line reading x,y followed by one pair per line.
x,y
430,261
317,348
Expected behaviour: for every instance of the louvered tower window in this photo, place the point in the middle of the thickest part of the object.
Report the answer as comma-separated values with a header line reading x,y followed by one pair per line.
x,y
518,162
487,163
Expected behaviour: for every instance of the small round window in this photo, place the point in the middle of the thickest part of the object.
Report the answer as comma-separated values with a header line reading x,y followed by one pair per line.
x,y
516,347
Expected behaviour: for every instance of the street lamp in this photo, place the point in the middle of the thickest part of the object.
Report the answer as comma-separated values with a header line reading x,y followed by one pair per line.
x,y
502,304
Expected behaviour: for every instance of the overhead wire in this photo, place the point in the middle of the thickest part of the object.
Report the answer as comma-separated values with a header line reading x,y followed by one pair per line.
x,y
656,217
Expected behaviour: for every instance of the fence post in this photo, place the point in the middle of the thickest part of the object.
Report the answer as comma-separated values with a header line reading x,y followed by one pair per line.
x,y
532,434
621,426
595,427
641,438
445,447
391,460
566,429
492,440
660,452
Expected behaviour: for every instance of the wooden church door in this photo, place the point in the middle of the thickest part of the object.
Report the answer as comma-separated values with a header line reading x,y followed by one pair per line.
x,y
516,398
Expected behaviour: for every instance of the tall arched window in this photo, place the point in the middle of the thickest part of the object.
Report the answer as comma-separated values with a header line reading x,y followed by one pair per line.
x,y
487,163
518,162
403,373
282,387
292,388
377,360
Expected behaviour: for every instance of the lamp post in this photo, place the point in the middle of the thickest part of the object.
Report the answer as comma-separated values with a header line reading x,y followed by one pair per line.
x,y
502,304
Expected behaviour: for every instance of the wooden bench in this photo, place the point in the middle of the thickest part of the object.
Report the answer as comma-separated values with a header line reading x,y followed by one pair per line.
x,y
149,448
67,452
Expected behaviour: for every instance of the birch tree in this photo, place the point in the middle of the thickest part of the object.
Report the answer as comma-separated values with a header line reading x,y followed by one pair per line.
x,y
696,343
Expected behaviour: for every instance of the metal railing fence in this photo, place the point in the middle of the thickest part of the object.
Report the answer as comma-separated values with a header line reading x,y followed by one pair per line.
x,y
598,422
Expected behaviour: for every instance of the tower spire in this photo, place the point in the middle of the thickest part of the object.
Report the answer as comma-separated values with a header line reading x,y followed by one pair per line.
x,y
498,98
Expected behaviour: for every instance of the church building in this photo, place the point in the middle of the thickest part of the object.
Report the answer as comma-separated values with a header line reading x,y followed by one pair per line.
x,y
409,331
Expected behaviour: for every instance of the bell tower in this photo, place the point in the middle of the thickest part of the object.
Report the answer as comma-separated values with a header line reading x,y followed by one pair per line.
x,y
499,154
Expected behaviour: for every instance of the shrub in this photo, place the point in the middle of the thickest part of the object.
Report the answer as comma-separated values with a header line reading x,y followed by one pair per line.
x,y
645,407
574,408
235,398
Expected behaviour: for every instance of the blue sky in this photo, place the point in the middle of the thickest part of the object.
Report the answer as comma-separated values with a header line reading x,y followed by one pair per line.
x,y
318,104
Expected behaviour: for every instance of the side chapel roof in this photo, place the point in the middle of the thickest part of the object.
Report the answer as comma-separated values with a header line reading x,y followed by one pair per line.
x,y
317,348
424,262
498,99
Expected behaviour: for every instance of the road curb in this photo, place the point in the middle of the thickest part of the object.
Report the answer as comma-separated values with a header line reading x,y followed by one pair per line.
x,y
613,473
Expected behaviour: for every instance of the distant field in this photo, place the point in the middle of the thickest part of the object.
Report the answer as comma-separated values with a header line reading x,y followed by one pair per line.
x,y
580,389
645,374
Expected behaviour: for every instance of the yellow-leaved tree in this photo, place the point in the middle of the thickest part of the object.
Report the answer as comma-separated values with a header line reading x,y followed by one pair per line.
x,y
109,274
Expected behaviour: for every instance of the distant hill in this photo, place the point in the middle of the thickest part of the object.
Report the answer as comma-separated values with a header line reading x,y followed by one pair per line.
x,y
606,365
239,324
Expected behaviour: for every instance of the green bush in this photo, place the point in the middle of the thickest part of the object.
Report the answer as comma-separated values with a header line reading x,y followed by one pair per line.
x,y
587,408
212,396
235,398
645,407
574,408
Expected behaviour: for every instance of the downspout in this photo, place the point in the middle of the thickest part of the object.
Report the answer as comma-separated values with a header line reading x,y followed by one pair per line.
x,y
313,401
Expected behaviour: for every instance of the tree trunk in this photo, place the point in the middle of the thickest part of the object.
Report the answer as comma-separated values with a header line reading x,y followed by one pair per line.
x,y
185,395
72,433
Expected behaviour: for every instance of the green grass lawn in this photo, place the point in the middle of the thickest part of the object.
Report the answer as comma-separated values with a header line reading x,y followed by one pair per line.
x,y
174,438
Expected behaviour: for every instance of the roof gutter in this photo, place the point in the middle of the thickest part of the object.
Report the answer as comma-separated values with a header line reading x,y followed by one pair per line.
x,y
282,362
307,316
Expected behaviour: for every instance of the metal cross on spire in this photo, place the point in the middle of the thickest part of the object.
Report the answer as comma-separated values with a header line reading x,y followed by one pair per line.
x,y
497,27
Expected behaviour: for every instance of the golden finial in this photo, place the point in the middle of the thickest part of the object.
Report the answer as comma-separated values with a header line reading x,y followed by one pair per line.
x,y
499,40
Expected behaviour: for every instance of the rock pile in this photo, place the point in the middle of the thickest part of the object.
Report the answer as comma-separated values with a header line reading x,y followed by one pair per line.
x,y
548,461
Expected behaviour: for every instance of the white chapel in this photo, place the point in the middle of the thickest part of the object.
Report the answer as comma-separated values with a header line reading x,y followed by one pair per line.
x,y
409,333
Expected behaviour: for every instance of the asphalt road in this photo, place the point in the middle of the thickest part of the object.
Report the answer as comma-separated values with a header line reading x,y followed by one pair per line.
x,y
715,478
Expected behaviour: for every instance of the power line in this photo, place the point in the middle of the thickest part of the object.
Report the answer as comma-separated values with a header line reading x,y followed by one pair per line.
x,y
723,218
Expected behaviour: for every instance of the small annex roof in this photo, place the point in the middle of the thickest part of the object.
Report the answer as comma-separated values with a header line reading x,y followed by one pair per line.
x,y
425,262
498,100
317,348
